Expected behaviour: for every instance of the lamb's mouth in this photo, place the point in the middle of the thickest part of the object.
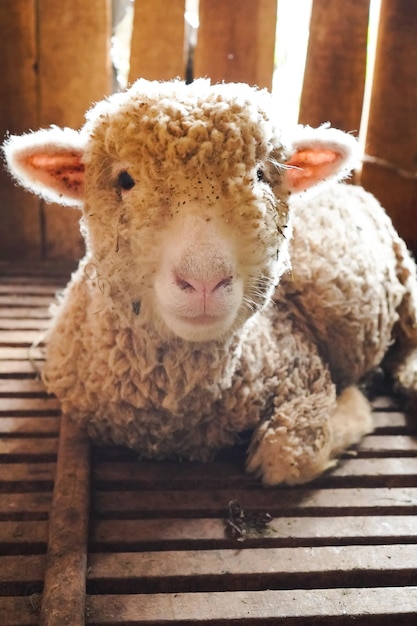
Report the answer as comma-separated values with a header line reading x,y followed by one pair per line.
x,y
200,328
201,320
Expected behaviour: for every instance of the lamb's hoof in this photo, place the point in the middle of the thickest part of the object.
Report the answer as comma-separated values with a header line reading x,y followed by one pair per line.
x,y
275,462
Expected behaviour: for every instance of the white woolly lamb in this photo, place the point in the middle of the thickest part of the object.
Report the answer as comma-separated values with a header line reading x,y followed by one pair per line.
x,y
183,326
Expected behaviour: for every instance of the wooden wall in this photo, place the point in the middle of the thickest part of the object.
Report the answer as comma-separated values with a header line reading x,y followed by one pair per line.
x,y
56,62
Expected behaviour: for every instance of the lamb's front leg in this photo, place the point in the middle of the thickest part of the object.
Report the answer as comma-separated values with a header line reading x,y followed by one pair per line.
x,y
302,437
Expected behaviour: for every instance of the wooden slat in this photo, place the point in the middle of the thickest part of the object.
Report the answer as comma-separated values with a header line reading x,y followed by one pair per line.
x,y
236,41
20,610
25,535
367,607
10,323
397,471
157,49
27,474
25,505
29,288
342,501
63,600
29,426
149,476
13,271
20,232
24,312
171,533
21,571
74,59
28,354
251,569
14,369
22,387
388,444
389,170
46,405
25,300
334,77
29,449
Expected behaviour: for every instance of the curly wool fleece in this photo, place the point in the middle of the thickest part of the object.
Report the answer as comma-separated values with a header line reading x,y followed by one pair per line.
x,y
182,327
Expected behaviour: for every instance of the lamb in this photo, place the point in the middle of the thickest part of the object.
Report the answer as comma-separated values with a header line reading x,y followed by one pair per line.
x,y
231,282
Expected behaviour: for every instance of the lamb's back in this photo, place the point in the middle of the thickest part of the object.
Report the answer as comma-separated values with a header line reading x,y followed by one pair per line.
x,y
345,276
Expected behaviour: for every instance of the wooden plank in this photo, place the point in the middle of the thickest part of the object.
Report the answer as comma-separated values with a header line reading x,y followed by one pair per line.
x,y
384,420
391,471
25,300
277,607
334,77
386,403
29,426
30,289
20,337
28,353
40,272
63,600
44,406
27,535
74,35
389,169
236,41
252,569
20,232
12,323
38,314
14,369
20,610
173,534
19,386
281,501
386,444
157,48
30,449
18,571
17,506
142,475
27,474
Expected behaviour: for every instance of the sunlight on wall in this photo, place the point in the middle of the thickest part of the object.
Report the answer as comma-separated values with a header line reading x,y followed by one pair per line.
x,y
290,53
293,22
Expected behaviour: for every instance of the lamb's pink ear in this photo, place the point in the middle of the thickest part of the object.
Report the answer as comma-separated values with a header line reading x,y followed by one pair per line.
x,y
318,155
49,163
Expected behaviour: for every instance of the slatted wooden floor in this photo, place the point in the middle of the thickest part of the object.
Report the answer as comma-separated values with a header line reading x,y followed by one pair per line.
x,y
160,543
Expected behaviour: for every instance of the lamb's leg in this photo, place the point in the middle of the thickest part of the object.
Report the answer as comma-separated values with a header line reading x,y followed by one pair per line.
x,y
303,436
403,372
351,420
401,361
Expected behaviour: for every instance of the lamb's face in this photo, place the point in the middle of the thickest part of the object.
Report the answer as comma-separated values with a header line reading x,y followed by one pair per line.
x,y
185,214
184,199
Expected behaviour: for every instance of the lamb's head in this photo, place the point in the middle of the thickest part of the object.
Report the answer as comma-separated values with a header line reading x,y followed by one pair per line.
x,y
184,191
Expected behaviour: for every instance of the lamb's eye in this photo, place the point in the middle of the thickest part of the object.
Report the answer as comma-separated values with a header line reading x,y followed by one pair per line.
x,y
260,176
125,180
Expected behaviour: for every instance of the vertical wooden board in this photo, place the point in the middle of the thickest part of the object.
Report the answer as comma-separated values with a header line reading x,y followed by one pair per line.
x,y
20,230
157,49
75,71
334,78
236,41
64,589
391,141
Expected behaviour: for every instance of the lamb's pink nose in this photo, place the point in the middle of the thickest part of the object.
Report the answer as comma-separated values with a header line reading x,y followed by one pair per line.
x,y
203,287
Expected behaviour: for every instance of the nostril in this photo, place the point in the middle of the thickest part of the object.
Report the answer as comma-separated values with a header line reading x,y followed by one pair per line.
x,y
203,286
183,284
225,282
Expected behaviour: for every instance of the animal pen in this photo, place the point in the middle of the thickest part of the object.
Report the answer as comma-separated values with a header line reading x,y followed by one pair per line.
x,y
89,534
